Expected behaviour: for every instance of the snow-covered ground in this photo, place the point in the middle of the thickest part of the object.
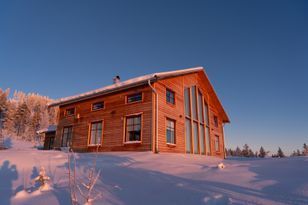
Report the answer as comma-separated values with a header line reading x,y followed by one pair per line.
x,y
147,179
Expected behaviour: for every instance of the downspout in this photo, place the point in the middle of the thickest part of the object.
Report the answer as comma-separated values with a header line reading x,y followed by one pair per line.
x,y
156,116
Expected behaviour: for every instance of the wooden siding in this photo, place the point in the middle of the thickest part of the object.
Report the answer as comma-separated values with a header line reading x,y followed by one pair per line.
x,y
113,117
177,112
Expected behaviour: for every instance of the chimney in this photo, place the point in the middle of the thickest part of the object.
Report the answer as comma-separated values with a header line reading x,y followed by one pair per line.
x,y
116,79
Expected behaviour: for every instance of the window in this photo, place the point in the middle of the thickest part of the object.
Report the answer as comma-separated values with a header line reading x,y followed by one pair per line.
x,y
96,133
202,137
200,107
188,135
196,137
170,131
134,98
207,128
216,143
170,96
98,106
187,101
67,136
194,103
216,121
133,128
70,111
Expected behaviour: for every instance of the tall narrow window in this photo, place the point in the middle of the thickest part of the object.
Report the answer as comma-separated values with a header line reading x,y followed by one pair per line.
x,y
67,136
170,96
202,137
187,101
217,143
170,131
133,128
196,138
134,98
200,107
188,135
96,133
194,103
207,129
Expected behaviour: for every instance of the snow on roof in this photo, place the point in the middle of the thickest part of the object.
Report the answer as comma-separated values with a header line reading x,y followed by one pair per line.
x,y
123,85
50,128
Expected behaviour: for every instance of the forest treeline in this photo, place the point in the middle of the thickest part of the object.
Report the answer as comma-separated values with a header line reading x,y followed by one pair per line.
x,y
23,114
246,151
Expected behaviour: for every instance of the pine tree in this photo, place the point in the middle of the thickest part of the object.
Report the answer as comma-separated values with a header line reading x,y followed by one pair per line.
x,y
298,153
305,150
245,151
280,153
262,152
238,152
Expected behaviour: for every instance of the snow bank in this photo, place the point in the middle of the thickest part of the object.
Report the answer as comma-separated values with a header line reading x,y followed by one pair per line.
x,y
134,178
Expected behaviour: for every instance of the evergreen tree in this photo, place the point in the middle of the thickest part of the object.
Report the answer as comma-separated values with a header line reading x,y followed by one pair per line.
x,y
305,150
238,152
280,153
245,151
262,152
298,153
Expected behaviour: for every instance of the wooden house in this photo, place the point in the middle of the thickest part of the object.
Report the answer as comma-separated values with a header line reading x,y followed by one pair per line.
x,y
176,111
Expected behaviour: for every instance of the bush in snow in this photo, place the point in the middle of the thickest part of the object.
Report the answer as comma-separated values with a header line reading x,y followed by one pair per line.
x,y
42,179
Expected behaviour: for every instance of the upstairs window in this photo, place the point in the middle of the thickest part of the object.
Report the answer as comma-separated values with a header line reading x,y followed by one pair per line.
x,y
133,128
70,111
98,106
170,96
96,133
170,131
134,98
215,121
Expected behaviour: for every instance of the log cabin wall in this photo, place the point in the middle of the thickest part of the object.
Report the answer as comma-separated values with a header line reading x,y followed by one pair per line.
x,y
113,117
176,112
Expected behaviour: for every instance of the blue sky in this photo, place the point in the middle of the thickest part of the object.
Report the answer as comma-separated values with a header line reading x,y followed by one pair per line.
x,y
255,53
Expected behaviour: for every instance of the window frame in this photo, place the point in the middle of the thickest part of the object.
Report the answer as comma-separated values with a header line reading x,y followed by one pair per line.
x,y
174,131
90,132
125,141
62,137
217,143
130,95
172,92
71,108
103,102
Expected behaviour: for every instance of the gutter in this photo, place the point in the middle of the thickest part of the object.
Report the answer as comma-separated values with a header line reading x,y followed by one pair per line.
x,y
156,115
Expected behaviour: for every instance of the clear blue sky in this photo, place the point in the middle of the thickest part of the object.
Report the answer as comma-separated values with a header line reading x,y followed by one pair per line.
x,y
255,53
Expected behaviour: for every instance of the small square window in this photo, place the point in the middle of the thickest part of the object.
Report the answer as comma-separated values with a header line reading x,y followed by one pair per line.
x,y
170,96
134,98
98,106
70,111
